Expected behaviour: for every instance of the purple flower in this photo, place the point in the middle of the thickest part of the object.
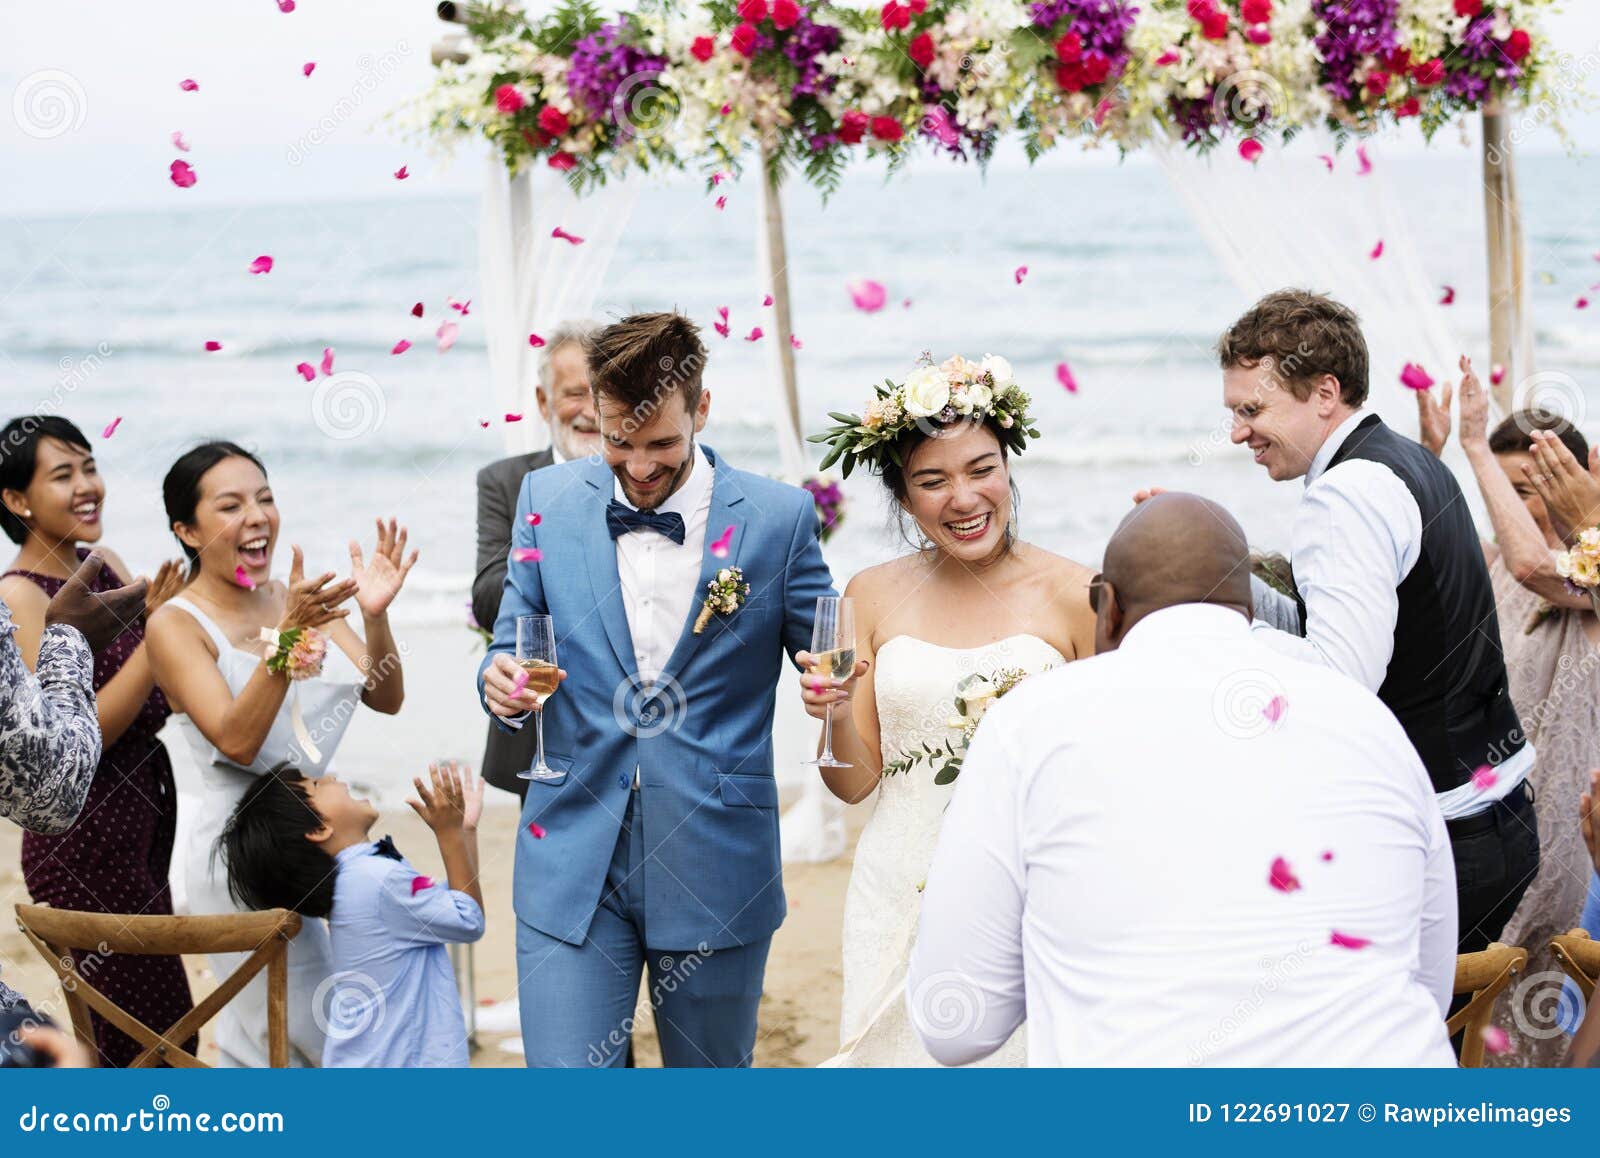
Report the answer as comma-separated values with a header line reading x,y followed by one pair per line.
x,y
1103,25
1354,31
601,64
1466,86
805,45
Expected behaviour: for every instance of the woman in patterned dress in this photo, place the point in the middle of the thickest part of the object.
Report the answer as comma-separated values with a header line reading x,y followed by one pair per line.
x,y
114,857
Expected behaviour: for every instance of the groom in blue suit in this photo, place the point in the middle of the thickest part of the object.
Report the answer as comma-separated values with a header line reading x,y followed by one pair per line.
x,y
656,848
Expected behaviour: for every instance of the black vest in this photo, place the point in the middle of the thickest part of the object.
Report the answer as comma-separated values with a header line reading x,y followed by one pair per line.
x,y
1446,681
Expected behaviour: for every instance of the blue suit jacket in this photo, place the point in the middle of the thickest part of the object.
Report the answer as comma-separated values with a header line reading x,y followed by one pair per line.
x,y
701,737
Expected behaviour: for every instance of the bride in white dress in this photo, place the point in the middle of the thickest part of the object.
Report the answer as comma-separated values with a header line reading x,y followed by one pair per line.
x,y
972,599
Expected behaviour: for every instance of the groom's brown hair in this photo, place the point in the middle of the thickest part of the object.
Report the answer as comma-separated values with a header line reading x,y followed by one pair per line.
x,y
643,358
1297,336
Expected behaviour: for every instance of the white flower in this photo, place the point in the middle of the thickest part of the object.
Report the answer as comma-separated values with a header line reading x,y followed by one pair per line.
x,y
978,691
999,368
980,397
961,399
927,392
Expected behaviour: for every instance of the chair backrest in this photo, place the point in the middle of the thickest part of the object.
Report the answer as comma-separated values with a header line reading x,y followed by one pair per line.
x,y
1482,975
264,935
1579,958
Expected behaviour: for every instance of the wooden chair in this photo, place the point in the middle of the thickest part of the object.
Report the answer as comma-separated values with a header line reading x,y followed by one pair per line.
x,y
1579,958
265,936
1482,976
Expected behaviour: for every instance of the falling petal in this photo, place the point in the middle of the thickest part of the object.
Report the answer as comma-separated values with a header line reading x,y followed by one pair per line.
x,y
111,427
1363,162
906,304
183,174
721,328
1496,1040
1281,876
401,347
1275,708
1377,250
446,333
720,547
1019,273
1328,855
287,6
327,361
1414,377
536,829
535,341
1250,149
767,301
722,202
401,173
867,295
722,312
1064,376
462,308
1346,941
1326,159
1485,778
534,519
510,417
527,555
178,142
418,883
796,342
520,682
242,578
1449,296
1497,374
188,85
719,177
213,347
262,264
562,235
754,335
483,423
1581,303
416,310
308,68
306,370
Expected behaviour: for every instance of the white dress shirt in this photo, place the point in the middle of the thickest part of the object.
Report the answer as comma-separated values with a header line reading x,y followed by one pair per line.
x,y
1103,868
1357,534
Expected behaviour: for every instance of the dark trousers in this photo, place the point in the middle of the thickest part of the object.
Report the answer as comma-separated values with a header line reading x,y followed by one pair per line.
x,y
1497,857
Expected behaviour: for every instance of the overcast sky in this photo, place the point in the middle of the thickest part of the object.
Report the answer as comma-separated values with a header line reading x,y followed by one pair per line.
x,y
258,128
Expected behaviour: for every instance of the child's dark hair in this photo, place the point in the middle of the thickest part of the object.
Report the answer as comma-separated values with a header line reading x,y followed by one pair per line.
x,y
271,864
180,490
19,458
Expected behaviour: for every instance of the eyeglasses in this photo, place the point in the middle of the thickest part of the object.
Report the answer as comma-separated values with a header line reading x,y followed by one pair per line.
x,y
1095,586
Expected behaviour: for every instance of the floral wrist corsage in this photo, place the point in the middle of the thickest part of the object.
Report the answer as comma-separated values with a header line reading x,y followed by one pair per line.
x,y
724,595
297,653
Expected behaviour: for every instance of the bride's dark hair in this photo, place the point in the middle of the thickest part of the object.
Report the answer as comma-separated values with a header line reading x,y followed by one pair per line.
x,y
893,474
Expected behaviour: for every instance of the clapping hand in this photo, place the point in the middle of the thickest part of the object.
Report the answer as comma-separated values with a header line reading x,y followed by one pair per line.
x,y
313,602
170,579
1474,407
379,579
446,804
1433,418
100,616
1570,493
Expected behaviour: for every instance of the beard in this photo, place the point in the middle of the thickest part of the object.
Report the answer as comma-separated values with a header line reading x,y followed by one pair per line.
x,y
663,493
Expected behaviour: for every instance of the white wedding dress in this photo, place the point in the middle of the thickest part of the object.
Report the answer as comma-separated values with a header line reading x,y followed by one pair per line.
x,y
915,684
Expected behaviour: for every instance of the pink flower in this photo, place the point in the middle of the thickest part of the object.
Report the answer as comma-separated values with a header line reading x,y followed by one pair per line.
x,y
1496,1040
1255,11
553,121
1275,708
866,295
1069,49
527,555
188,85
562,162
182,174
306,370
447,333
308,68
401,173
1518,44
895,15
752,11
743,40
262,264
536,830
720,547
401,347
1281,876
242,578
921,50
1449,296
1414,377
1468,7
1347,941
1258,34
418,883
1250,149
327,361
562,235
1485,778
887,129
1019,273
1429,73
785,14
1377,250
754,335
703,48
852,127
213,347
1169,57
507,99
416,310
535,341
111,427
178,142
1064,376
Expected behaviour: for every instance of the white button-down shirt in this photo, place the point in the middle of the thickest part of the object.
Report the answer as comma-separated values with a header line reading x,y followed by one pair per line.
x,y
1103,868
1357,534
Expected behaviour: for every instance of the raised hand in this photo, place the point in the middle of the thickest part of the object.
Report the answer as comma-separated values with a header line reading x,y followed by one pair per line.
x,y
170,579
443,800
1571,494
1474,407
1433,418
313,602
1147,493
101,616
379,579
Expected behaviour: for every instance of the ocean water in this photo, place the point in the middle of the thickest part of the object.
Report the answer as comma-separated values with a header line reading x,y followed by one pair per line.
x,y
106,316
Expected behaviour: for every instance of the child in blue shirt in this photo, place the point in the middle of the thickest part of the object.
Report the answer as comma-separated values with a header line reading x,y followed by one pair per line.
x,y
306,845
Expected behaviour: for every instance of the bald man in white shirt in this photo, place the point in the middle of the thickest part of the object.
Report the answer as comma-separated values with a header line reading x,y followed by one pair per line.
x,y
1190,849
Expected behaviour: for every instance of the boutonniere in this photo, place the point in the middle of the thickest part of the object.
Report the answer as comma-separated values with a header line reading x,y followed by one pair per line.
x,y
725,594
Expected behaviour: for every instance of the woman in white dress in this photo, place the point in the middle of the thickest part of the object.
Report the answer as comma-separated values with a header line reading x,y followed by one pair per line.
x,y
240,718
971,599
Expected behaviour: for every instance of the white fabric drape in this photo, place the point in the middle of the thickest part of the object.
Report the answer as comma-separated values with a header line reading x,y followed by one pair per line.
x,y
791,445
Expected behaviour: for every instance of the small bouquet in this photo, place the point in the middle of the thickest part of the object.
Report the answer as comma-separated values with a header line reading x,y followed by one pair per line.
x,y
725,594
974,696
830,503
1579,566
298,653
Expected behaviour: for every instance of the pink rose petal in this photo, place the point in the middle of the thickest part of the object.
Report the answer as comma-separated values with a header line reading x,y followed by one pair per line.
x,y
1326,159
401,347
527,555
262,264
1414,377
1275,708
754,335
906,304
562,235
726,109
1363,162
1328,855
535,341
418,883
447,334
308,68
483,423
534,519
510,417
519,683
1019,273
722,202
767,301
285,5
796,342
327,361
1250,149
213,347
1497,374
416,310
242,578
1281,876
178,142
306,370
720,547
722,312
1581,304
1346,941
1065,377
111,427
1377,250
1449,297
721,328
1496,1040
401,173
536,830
867,295
1170,56
183,174
1485,778
719,177
188,85
462,308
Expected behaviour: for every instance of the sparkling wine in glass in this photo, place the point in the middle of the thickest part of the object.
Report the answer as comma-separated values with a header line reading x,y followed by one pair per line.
x,y
833,652
536,656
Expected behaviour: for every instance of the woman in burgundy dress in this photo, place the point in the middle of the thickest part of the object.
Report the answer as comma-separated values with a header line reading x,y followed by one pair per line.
x,y
114,858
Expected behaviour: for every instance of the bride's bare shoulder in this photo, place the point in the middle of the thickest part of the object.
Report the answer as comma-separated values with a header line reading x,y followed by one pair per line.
x,y
1058,570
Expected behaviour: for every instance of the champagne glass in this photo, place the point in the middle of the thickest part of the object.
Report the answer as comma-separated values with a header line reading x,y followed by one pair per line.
x,y
833,653
536,656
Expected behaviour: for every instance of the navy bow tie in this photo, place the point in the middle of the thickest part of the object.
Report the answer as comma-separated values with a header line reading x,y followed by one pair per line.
x,y
621,518
385,847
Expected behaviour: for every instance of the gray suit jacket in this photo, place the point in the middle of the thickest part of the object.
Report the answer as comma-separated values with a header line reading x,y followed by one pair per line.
x,y
499,483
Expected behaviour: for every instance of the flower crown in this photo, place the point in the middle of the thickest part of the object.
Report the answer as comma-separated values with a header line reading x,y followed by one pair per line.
x,y
955,390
